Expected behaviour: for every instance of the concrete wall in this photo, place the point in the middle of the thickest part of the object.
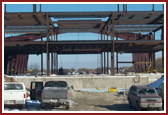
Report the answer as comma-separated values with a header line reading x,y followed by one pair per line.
x,y
93,81
89,82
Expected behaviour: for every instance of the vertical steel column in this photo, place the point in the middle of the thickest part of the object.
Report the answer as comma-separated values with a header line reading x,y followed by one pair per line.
x,y
112,51
23,60
117,55
104,57
101,58
5,8
153,8
118,7
41,57
47,48
153,55
56,56
107,53
101,62
125,8
26,62
40,8
52,63
9,65
57,62
17,64
56,37
13,65
163,48
20,64
5,63
34,7
52,51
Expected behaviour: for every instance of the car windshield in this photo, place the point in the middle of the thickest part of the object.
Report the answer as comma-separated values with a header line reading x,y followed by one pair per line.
x,y
146,91
13,87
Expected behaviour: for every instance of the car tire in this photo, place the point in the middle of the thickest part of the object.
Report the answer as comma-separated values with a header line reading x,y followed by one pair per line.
x,y
130,103
23,106
67,106
138,108
159,109
162,105
43,105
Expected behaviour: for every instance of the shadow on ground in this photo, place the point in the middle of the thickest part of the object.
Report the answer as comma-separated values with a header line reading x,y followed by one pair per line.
x,y
117,107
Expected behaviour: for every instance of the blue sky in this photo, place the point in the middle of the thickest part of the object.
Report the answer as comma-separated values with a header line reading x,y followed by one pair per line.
x,y
80,61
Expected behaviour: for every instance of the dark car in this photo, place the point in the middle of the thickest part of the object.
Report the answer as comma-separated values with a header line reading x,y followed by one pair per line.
x,y
161,92
144,97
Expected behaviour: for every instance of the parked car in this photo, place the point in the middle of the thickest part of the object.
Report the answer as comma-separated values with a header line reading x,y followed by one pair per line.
x,y
144,97
14,94
161,93
54,93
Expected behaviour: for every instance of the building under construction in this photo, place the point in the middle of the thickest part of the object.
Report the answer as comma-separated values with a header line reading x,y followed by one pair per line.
x,y
126,25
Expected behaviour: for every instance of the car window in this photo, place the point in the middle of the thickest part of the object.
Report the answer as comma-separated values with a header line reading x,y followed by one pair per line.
x,y
146,91
33,85
56,84
13,87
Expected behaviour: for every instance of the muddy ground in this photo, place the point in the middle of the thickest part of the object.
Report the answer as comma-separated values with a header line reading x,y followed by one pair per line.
x,y
98,101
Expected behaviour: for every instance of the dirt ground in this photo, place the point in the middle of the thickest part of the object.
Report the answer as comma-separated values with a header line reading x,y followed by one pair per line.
x,y
7,79
94,101
98,101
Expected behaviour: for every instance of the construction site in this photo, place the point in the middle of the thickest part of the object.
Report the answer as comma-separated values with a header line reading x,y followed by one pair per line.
x,y
122,32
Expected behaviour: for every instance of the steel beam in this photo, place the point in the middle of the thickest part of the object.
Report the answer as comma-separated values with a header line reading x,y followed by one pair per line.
x,y
104,55
23,64
162,38
118,7
117,56
34,8
9,65
5,7
153,7
20,64
41,56
47,46
27,57
107,53
153,55
112,38
40,8
101,62
17,64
